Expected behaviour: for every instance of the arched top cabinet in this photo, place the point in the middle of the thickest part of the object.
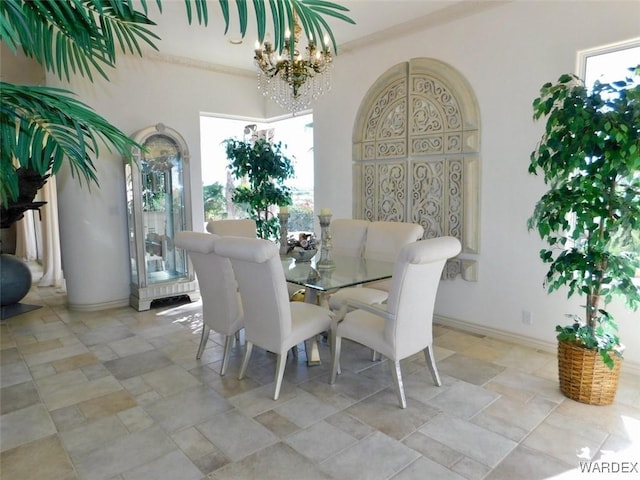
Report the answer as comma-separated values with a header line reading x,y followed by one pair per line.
x,y
158,206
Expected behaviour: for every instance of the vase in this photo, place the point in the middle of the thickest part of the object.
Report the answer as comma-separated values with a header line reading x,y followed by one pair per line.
x,y
15,279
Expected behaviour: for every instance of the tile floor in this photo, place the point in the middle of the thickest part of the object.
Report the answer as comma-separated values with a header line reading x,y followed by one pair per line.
x,y
119,395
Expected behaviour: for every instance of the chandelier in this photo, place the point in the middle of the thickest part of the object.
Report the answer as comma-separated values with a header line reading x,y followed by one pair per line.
x,y
293,81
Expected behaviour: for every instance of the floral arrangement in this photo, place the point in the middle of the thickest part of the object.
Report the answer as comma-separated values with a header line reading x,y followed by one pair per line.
x,y
305,241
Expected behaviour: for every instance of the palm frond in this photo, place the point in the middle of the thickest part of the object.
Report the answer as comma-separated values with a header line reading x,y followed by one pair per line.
x,y
75,35
42,127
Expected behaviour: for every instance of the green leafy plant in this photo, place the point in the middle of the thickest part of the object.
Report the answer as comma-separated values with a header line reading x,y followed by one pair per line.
x,y
265,169
41,128
301,217
589,155
215,205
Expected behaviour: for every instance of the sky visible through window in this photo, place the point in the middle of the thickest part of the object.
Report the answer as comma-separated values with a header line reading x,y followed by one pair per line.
x,y
611,66
295,133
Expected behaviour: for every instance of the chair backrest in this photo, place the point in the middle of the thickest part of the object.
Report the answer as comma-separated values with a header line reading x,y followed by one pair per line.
x,y
221,305
263,288
416,277
242,227
348,236
386,239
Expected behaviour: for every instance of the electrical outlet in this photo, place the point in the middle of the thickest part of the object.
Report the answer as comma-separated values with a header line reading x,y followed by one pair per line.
x,y
527,317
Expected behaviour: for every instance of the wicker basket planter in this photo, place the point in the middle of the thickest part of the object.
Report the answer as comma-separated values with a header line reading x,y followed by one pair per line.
x,y
584,377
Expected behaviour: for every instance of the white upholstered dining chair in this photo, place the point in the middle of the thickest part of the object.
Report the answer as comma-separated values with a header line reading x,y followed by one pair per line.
x,y
383,241
404,326
241,227
221,304
348,236
272,322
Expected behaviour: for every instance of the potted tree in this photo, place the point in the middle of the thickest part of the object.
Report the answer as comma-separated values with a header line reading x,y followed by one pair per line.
x,y
265,169
589,156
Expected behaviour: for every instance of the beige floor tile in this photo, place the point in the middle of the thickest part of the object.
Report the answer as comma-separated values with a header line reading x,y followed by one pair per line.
x,y
186,408
77,361
119,395
320,441
489,349
526,415
106,405
67,418
471,370
130,345
52,461
14,373
193,443
382,412
526,463
350,424
170,380
137,364
424,468
470,468
65,395
89,437
278,424
38,347
236,435
304,410
24,426
463,400
457,340
432,449
174,465
275,462
385,457
135,419
18,396
567,441
480,444
51,355
127,453
526,359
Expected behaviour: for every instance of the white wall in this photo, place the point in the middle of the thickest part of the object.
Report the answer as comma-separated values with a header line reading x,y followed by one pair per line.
x,y
506,54
140,93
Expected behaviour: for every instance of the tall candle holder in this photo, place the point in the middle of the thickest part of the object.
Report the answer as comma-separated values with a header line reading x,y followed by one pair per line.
x,y
325,243
284,232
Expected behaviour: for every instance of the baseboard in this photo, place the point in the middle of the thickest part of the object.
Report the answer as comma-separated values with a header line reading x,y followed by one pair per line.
x,y
94,307
631,368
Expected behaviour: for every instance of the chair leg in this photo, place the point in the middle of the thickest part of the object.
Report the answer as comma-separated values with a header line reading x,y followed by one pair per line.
x,y
245,360
280,364
203,340
228,342
374,356
397,380
431,363
336,344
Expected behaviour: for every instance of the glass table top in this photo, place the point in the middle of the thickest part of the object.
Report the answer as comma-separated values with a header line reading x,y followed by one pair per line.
x,y
348,271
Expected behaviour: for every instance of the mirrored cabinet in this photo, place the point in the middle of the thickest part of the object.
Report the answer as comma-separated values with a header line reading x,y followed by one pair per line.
x,y
158,206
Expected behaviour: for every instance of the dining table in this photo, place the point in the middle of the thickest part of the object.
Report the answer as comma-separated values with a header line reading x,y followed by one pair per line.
x,y
320,280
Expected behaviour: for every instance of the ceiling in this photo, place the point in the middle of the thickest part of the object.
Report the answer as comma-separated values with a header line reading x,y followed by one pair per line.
x,y
210,44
